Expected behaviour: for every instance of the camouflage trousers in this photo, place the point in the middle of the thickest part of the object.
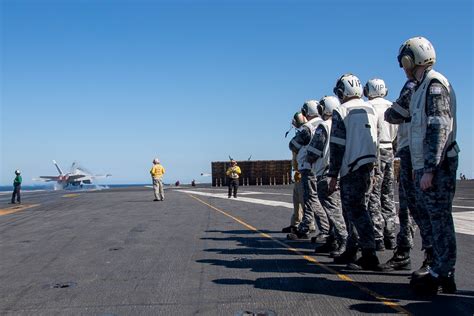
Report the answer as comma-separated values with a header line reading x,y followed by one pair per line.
x,y
331,204
381,200
354,189
416,207
438,202
312,211
298,203
407,231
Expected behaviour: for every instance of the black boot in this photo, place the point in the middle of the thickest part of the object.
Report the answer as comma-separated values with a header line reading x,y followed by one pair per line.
x,y
321,239
297,235
339,250
425,267
348,256
399,261
289,229
368,261
448,286
379,245
426,284
328,246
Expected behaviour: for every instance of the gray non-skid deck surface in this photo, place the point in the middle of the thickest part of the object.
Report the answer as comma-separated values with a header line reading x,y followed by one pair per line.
x,y
126,255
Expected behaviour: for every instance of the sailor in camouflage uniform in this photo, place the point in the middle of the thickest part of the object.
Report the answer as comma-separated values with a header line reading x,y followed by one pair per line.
x,y
407,230
318,156
434,155
312,210
398,113
353,154
381,202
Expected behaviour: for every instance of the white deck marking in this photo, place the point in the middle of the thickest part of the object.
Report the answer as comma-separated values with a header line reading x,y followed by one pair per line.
x,y
267,193
241,199
242,192
463,221
468,207
456,206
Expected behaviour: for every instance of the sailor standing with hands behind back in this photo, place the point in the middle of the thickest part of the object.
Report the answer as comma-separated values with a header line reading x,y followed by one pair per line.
x,y
434,155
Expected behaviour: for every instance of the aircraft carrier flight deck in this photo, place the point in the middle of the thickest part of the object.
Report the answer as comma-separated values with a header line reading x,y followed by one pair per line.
x,y
117,252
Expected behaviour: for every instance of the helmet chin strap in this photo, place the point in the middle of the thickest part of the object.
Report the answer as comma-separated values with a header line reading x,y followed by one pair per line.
x,y
419,72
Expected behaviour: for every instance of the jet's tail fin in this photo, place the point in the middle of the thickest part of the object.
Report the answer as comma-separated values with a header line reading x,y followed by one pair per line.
x,y
57,167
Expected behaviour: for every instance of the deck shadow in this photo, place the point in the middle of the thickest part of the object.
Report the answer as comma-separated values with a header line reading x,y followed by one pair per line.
x,y
263,242
242,231
300,266
393,292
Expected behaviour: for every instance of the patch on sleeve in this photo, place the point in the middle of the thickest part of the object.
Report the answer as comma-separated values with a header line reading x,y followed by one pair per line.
x,y
436,89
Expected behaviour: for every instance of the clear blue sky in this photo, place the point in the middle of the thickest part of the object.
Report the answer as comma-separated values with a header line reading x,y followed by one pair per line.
x,y
113,84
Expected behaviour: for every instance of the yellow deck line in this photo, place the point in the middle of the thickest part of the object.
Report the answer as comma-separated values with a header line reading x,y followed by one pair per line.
x,y
71,195
14,209
343,277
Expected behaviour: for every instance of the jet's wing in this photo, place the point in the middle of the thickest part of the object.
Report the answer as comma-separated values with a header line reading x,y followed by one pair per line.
x,y
47,178
100,176
76,176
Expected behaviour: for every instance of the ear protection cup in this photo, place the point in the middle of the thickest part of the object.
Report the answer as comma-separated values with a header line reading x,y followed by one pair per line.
x,y
386,92
339,89
407,62
320,109
303,111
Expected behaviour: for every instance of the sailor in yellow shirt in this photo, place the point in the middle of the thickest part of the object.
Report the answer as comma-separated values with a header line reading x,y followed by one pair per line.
x,y
157,172
233,172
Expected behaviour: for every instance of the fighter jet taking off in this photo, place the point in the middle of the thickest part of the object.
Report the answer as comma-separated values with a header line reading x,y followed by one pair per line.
x,y
77,176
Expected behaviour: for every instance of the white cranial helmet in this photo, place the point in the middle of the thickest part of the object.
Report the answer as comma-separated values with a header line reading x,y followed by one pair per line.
x,y
327,104
310,108
156,161
417,51
17,172
375,88
348,86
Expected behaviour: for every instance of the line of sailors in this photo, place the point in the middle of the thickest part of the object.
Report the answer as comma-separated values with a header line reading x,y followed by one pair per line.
x,y
346,142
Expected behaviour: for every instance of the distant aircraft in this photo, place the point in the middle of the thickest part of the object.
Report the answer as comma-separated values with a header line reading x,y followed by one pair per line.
x,y
76,177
